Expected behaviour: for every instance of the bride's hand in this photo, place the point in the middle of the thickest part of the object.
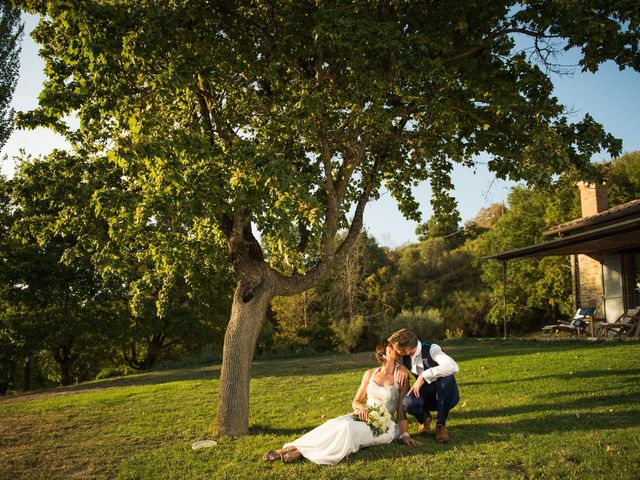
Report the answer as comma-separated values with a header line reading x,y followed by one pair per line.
x,y
362,414
402,377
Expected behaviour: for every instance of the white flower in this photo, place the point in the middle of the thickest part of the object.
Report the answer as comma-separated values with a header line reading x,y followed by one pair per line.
x,y
378,419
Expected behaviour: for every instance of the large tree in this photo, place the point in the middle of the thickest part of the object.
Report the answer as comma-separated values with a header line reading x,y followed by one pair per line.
x,y
11,28
287,117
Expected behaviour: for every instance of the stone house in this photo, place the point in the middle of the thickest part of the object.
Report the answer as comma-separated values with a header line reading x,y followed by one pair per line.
x,y
604,245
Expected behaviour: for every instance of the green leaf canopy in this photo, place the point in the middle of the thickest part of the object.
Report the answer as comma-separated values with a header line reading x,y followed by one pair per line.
x,y
287,114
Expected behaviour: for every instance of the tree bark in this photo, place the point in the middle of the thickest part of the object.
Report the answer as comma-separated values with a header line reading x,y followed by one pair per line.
x,y
26,375
65,359
239,346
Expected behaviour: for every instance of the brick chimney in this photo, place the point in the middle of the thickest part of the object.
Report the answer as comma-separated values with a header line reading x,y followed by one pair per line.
x,y
593,198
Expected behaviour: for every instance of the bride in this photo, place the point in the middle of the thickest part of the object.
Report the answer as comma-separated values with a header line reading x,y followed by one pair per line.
x,y
332,441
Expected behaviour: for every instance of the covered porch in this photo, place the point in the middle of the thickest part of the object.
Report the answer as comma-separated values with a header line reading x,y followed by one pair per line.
x,y
605,261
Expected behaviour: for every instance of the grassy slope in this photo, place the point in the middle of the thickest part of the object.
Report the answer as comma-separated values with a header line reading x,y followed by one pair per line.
x,y
528,410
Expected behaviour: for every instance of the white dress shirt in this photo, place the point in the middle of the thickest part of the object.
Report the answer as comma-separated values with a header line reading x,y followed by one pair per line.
x,y
446,365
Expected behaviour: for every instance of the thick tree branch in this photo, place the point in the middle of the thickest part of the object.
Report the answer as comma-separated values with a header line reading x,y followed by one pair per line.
x,y
350,164
355,227
215,121
469,113
332,214
299,283
304,236
206,118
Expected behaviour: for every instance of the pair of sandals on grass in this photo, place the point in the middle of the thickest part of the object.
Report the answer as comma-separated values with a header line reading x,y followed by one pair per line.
x,y
287,455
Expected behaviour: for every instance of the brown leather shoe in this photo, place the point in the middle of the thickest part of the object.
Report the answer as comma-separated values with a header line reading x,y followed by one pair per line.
x,y
442,435
425,428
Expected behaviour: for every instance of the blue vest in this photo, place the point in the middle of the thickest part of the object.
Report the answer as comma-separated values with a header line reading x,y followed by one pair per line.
x,y
427,361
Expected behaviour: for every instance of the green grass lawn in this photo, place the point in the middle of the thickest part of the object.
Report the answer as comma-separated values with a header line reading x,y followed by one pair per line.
x,y
528,410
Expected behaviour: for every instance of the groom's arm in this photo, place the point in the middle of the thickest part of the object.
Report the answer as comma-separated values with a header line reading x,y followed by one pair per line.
x,y
446,365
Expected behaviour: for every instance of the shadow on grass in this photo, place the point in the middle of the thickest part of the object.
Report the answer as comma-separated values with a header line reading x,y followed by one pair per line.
x,y
558,418
552,423
464,350
321,365
142,379
469,349
633,373
578,405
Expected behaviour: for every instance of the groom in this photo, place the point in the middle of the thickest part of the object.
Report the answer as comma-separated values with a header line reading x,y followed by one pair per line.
x,y
435,388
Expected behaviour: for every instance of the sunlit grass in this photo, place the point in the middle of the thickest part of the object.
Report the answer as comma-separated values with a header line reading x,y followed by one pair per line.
x,y
528,410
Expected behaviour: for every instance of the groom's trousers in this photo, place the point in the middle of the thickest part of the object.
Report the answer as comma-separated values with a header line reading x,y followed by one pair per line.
x,y
438,396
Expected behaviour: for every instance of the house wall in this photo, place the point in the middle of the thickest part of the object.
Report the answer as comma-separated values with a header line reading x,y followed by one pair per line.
x,y
590,290
593,200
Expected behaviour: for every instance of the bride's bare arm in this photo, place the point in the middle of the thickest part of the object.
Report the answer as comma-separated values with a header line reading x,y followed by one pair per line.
x,y
403,423
358,401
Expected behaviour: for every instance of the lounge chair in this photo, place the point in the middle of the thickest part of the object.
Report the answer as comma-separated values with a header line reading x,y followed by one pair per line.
x,y
626,325
577,326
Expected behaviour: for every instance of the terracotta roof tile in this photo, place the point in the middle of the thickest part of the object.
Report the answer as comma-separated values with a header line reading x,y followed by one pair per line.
x,y
623,210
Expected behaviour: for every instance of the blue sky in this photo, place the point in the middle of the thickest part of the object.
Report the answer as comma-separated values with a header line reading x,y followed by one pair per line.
x,y
611,96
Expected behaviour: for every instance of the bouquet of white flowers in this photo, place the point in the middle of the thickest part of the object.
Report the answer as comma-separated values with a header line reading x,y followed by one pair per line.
x,y
378,419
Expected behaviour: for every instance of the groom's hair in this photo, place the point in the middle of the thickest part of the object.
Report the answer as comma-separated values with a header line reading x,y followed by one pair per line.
x,y
404,339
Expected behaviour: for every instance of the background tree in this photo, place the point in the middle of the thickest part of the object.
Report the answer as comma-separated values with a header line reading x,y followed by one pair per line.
x,y
11,29
622,178
433,276
90,270
54,300
14,345
487,217
538,289
344,311
440,226
354,312
286,116
173,289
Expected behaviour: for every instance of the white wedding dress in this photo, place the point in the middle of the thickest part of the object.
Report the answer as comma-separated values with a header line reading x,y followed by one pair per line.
x,y
332,441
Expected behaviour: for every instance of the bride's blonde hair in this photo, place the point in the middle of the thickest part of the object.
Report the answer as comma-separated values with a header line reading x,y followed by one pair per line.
x,y
381,350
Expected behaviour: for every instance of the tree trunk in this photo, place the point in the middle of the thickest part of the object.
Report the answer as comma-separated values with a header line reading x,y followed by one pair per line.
x,y
26,375
256,286
65,359
65,373
239,347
